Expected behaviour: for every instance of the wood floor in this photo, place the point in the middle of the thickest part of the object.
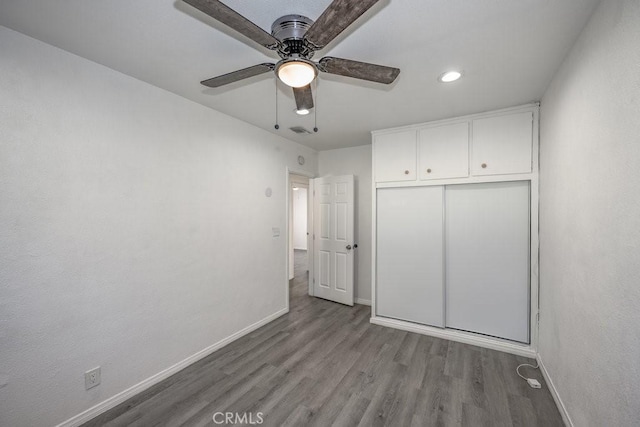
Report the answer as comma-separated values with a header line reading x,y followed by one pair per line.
x,y
324,364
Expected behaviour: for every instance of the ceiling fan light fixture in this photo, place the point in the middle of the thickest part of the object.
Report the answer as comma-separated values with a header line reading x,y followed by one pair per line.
x,y
296,73
450,76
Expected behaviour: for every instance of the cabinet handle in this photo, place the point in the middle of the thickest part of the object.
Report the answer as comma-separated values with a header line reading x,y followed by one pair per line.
x,y
429,170
406,172
484,165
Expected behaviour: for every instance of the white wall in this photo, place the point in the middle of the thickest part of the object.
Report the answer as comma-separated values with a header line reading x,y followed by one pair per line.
x,y
590,222
355,161
127,218
300,218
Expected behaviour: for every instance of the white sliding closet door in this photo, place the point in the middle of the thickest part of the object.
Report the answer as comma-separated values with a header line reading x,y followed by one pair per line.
x,y
487,259
410,267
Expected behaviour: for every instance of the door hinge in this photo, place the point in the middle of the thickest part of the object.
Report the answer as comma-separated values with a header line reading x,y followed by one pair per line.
x,y
314,280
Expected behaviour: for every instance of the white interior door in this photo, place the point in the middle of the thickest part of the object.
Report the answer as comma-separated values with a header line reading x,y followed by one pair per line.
x,y
410,271
333,245
487,259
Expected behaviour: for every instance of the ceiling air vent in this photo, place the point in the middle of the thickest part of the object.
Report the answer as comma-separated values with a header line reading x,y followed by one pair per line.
x,y
300,130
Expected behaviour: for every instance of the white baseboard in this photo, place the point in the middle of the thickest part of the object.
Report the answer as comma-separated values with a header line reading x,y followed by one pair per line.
x,y
464,337
554,392
114,401
362,301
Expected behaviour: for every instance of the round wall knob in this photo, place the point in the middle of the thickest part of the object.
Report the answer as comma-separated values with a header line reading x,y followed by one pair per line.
x,y
484,165
406,172
429,170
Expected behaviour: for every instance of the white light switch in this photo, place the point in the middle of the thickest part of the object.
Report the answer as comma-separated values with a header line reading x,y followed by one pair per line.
x,y
276,232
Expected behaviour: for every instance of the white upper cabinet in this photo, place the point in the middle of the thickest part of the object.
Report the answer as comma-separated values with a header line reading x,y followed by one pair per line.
x,y
395,156
478,148
443,151
502,145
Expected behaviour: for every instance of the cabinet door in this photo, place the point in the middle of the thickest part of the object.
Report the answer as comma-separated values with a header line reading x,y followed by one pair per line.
x,y
502,145
395,157
409,282
487,259
444,152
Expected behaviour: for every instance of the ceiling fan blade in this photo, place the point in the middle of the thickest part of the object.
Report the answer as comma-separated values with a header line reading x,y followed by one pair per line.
x,y
235,76
335,18
358,70
220,12
304,97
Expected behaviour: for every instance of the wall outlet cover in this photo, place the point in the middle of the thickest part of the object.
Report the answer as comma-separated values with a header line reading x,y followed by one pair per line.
x,y
92,378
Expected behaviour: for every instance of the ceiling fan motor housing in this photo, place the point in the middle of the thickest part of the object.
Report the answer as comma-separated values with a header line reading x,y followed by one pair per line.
x,y
290,30
290,27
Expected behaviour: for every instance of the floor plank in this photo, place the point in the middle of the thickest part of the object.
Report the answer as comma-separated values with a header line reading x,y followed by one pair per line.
x,y
324,364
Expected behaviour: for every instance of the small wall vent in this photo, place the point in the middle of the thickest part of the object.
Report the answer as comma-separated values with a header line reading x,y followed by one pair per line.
x,y
300,130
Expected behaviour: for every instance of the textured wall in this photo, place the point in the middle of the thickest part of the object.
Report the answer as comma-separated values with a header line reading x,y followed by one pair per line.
x,y
355,161
128,217
590,221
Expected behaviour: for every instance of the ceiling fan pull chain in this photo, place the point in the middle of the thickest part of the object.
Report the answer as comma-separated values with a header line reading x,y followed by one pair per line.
x,y
277,126
315,110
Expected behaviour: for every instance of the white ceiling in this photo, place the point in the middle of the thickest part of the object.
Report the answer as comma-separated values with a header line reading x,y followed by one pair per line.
x,y
508,50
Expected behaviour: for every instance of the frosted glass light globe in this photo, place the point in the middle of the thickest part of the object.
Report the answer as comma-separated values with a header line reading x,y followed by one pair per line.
x,y
296,73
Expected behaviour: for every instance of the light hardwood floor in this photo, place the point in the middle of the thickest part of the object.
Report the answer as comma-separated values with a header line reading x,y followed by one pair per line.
x,y
324,364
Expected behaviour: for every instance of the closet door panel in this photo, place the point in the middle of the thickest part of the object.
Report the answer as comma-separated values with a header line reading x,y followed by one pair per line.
x,y
410,283
487,259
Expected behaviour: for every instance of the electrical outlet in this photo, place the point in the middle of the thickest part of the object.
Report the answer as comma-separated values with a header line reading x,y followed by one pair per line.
x,y
92,378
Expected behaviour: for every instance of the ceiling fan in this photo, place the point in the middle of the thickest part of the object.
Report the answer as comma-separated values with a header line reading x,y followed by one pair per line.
x,y
296,38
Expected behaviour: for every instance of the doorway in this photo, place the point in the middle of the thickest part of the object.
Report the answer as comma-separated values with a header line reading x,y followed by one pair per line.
x,y
298,236
325,265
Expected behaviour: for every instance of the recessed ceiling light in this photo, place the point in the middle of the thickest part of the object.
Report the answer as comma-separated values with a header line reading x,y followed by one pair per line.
x,y
303,112
450,76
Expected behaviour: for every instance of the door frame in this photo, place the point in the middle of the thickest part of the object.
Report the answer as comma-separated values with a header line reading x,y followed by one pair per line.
x,y
293,171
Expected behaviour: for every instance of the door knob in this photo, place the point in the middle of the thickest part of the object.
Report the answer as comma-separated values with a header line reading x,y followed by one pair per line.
x,y
348,247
